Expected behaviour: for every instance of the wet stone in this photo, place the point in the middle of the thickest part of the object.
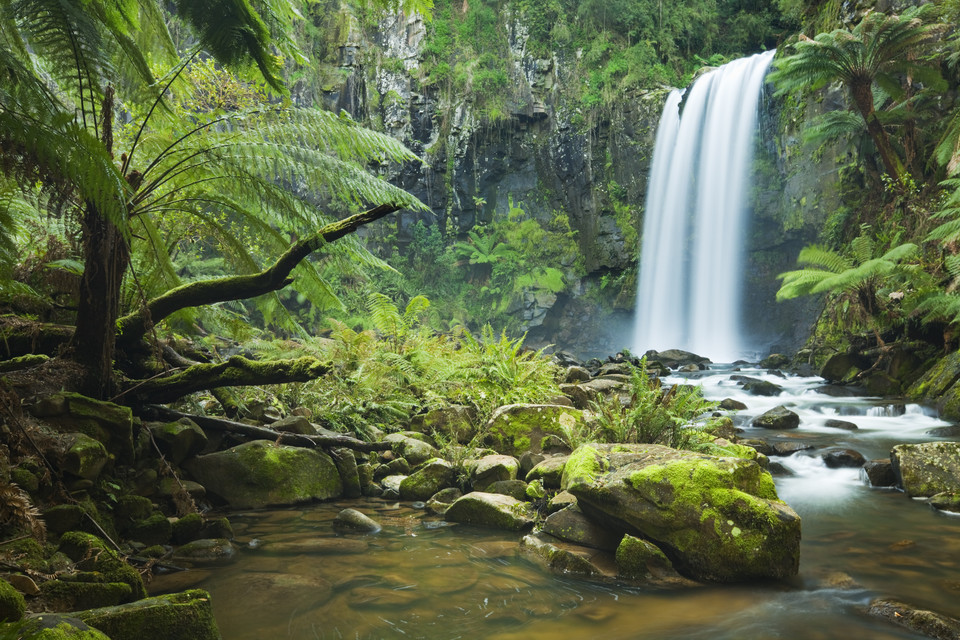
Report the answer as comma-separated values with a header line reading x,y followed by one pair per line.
x,y
840,424
836,458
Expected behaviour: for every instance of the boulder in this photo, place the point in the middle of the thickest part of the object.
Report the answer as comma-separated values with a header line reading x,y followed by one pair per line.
x,y
920,621
110,424
91,554
178,440
83,456
549,471
952,431
758,387
840,424
177,616
841,367
926,469
51,626
346,462
569,524
729,404
575,374
441,501
777,418
294,424
490,469
12,604
455,421
838,457
642,561
516,428
946,502
716,518
880,383
256,474
879,473
357,521
774,361
561,558
82,591
513,488
431,477
413,450
491,510
675,358
579,395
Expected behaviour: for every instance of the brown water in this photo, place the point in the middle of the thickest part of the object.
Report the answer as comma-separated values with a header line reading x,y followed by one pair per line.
x,y
420,578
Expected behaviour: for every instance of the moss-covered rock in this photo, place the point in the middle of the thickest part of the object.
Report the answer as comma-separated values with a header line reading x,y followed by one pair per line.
x,y
178,440
92,554
257,474
928,468
155,529
50,626
717,518
584,466
513,488
431,477
178,616
929,623
441,500
83,591
83,456
456,421
12,604
490,469
936,382
346,462
549,471
413,450
641,561
516,428
109,423
560,558
188,528
491,510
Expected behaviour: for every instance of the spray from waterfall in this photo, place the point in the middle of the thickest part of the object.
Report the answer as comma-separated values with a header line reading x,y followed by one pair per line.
x,y
691,259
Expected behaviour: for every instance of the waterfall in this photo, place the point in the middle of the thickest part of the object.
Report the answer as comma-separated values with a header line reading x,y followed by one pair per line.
x,y
691,259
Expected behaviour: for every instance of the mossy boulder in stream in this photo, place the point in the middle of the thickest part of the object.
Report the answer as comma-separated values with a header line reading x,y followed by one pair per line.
x,y
928,468
716,518
432,476
12,604
516,428
491,510
109,423
50,626
257,474
177,616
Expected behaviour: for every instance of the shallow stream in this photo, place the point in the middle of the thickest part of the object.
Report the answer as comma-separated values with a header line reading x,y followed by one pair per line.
x,y
419,578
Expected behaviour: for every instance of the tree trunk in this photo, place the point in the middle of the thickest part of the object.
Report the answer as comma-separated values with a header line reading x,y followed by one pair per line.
x,y
94,340
863,97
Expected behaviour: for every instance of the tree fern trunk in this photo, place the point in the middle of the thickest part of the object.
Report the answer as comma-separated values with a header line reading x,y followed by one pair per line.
x,y
94,341
863,97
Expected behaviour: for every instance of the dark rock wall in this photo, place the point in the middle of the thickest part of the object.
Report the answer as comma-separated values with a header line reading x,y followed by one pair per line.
x,y
551,154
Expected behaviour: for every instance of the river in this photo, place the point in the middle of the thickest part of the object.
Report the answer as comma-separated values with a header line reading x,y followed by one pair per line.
x,y
419,578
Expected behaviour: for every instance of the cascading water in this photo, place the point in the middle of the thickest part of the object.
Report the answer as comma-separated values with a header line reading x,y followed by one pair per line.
x,y
691,261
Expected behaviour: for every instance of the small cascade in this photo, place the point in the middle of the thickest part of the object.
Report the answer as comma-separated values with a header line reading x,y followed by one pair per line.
x,y
691,260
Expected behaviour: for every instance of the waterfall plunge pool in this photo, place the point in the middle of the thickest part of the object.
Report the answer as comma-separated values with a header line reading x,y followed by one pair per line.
x,y
419,578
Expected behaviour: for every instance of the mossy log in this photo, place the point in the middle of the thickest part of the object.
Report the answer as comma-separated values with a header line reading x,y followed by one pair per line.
x,y
265,433
20,337
234,372
133,327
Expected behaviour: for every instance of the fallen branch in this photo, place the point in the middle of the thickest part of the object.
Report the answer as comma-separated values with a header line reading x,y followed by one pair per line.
x,y
133,327
265,433
237,371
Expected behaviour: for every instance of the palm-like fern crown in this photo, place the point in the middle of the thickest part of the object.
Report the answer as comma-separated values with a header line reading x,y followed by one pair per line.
x,y
879,46
250,180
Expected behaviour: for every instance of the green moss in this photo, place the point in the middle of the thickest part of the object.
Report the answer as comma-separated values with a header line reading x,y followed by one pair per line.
x,y
50,627
187,528
178,616
12,604
636,557
64,595
584,466
92,554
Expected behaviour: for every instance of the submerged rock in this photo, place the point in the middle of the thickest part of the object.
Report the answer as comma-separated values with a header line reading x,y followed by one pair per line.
x,y
717,518
353,519
258,474
926,469
928,623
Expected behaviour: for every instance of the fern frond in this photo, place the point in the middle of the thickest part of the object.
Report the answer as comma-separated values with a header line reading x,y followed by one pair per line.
x,y
832,126
17,509
823,258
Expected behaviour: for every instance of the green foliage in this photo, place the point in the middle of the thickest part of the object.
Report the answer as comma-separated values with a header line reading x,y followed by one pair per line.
x,y
671,418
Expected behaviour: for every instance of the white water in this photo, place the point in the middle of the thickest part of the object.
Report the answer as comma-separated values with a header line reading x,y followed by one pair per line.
x,y
691,261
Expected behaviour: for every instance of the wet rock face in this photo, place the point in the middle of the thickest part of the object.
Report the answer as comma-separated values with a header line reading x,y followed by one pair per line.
x,y
777,418
926,469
